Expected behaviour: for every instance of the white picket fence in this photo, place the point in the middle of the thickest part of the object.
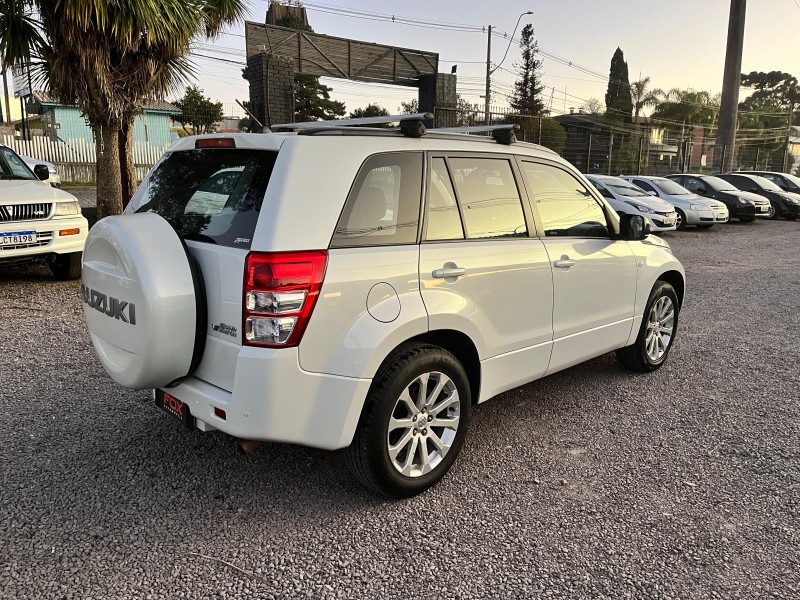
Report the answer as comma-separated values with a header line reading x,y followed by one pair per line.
x,y
77,159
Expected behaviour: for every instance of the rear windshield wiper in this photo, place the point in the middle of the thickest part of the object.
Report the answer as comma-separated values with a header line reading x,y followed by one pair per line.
x,y
198,237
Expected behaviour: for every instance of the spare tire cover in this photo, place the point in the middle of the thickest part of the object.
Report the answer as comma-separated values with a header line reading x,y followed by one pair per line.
x,y
139,300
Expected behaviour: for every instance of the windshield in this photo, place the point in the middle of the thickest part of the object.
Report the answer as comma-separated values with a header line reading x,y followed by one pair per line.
x,y
12,167
209,195
767,184
719,185
623,188
670,187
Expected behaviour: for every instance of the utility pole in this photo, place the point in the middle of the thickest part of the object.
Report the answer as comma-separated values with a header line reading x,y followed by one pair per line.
x,y
488,73
726,134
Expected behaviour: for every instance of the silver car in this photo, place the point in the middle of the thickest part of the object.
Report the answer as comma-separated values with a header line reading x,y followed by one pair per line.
x,y
54,179
691,208
626,198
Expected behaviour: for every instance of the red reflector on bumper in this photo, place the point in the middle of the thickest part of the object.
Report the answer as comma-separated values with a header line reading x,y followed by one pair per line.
x,y
220,413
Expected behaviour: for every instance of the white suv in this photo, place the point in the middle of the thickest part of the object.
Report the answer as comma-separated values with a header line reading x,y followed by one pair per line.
x,y
362,289
38,223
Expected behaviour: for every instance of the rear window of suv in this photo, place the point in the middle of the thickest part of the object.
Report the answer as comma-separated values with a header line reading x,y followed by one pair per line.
x,y
211,195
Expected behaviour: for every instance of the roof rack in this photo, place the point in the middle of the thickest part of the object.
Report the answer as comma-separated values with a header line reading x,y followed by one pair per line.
x,y
503,134
411,125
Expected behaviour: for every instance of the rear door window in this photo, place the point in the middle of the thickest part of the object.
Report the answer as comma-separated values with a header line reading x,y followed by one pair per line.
x,y
211,195
383,206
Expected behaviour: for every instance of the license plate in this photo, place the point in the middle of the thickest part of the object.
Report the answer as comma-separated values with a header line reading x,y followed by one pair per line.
x,y
763,209
669,221
18,237
175,407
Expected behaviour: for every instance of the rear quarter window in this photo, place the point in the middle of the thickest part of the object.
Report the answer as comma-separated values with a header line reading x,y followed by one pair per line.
x,y
211,195
383,206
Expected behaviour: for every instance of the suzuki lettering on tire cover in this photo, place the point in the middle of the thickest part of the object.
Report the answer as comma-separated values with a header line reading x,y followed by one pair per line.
x,y
139,299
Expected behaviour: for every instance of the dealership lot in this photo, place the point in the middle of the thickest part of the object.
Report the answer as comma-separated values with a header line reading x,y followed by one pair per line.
x,y
591,483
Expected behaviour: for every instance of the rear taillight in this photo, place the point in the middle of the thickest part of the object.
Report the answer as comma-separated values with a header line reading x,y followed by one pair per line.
x,y
280,290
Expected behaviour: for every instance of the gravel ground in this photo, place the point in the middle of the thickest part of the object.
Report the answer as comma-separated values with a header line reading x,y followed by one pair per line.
x,y
590,483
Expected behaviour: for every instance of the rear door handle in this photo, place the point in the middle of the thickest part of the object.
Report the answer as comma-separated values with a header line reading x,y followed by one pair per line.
x,y
564,263
449,270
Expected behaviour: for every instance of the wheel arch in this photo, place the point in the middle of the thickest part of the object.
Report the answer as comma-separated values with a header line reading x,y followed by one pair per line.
x,y
459,345
676,280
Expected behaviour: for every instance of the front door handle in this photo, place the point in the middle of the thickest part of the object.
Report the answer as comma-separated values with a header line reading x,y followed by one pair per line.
x,y
449,270
564,262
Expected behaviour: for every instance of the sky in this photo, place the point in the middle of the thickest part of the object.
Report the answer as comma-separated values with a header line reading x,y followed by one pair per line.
x,y
677,43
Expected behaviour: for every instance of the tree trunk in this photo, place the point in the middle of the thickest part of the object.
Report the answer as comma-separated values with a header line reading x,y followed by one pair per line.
x,y
127,162
109,180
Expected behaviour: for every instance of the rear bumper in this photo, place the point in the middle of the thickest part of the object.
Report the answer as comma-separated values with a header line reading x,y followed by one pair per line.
x,y
50,242
275,400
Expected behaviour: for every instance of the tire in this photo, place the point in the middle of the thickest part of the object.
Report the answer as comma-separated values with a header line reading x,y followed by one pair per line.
x,y
681,217
705,226
378,453
775,211
636,357
67,266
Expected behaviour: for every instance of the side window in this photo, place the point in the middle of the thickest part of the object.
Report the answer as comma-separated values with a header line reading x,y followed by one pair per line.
x,y
489,198
443,221
646,186
743,183
566,207
693,185
382,208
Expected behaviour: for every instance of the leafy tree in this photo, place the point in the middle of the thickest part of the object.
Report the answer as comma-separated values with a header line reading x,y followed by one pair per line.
x,y
371,110
109,59
410,108
681,108
618,95
312,99
593,106
527,95
642,97
198,111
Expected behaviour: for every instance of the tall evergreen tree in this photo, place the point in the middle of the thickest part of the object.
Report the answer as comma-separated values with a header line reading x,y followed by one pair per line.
x,y
618,96
527,97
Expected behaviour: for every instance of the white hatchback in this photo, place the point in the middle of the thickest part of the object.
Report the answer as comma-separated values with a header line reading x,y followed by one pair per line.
x,y
629,199
364,288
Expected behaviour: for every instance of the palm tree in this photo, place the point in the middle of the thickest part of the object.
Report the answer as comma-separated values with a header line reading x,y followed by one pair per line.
x,y
642,97
109,59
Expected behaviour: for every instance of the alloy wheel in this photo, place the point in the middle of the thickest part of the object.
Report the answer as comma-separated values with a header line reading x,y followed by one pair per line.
x,y
660,327
423,424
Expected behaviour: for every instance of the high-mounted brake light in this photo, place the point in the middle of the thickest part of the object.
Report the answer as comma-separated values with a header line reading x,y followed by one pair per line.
x,y
215,143
280,291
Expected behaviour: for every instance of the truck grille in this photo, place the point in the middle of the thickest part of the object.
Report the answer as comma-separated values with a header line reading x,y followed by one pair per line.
x,y
43,239
25,212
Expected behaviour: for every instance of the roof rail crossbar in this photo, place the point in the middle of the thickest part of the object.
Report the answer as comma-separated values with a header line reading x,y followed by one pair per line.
x,y
502,134
418,117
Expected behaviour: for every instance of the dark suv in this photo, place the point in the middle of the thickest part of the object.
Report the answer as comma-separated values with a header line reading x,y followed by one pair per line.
x,y
744,206
783,204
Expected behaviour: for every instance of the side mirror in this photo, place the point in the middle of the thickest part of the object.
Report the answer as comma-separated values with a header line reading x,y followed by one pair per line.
x,y
651,193
42,172
633,228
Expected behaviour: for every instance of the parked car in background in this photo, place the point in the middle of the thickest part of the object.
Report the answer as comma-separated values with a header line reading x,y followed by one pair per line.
x,y
785,181
745,206
626,198
691,209
54,179
782,204
38,223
